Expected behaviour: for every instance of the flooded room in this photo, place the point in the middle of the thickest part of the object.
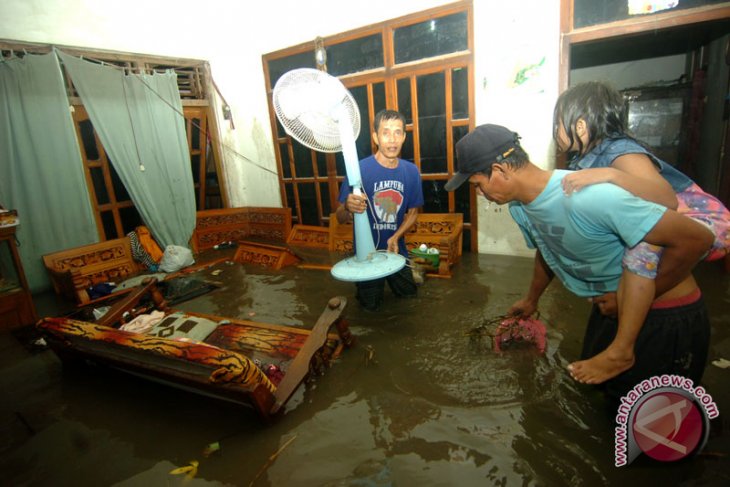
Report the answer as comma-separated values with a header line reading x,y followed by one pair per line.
x,y
389,244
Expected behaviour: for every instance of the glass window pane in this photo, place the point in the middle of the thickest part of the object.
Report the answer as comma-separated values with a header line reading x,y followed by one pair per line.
x,y
404,98
290,201
277,67
119,190
458,133
355,55
461,198
436,199
406,151
302,160
378,97
280,129
213,197
97,177
110,228
432,122
431,101
325,198
360,94
195,137
593,12
212,192
195,165
130,218
285,167
433,147
460,93
308,202
321,164
431,38
87,138
340,163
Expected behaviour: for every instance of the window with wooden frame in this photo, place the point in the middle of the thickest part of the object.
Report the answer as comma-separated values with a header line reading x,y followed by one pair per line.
x,y
420,65
114,210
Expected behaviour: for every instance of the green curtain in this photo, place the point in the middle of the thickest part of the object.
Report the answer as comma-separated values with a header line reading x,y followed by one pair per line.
x,y
41,173
138,121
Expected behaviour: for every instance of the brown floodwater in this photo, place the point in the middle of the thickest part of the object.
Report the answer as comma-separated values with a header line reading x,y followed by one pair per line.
x,y
418,401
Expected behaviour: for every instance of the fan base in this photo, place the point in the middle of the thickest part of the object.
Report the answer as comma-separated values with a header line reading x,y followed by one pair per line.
x,y
381,265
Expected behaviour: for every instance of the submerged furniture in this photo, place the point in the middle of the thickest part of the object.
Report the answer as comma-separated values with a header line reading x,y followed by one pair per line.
x,y
74,271
233,224
272,256
16,303
441,230
222,357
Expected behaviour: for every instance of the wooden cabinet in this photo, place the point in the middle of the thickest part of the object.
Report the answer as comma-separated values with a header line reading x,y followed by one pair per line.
x,y
16,302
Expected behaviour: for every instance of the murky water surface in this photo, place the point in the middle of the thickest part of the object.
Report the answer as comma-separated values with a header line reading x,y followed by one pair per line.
x,y
433,406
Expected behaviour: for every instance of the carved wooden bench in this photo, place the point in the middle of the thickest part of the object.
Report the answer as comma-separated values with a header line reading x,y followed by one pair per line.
x,y
309,236
74,271
441,230
235,224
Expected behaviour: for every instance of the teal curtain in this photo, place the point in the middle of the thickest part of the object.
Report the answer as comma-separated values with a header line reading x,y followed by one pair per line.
x,y
138,121
41,173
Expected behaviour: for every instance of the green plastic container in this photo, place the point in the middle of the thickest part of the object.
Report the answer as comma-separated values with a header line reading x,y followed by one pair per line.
x,y
433,259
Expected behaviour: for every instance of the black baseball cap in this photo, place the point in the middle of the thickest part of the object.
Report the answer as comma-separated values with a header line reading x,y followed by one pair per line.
x,y
479,149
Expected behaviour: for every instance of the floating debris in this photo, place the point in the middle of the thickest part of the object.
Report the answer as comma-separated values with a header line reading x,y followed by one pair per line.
x,y
369,355
722,363
512,332
271,459
211,448
519,332
190,470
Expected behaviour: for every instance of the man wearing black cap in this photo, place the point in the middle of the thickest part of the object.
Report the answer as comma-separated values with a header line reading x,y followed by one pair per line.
x,y
582,238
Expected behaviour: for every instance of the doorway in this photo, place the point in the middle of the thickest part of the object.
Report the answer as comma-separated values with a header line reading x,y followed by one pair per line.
x,y
673,69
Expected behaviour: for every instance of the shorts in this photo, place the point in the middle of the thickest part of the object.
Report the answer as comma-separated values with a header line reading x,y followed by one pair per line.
x,y
643,259
370,293
672,340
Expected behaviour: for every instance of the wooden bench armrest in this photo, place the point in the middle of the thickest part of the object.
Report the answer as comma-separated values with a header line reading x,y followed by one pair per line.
x,y
299,368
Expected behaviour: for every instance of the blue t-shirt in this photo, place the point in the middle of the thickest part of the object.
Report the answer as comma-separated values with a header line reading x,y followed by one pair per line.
x,y
391,192
608,150
583,236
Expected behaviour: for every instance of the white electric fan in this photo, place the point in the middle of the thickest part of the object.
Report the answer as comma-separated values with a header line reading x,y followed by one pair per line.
x,y
317,110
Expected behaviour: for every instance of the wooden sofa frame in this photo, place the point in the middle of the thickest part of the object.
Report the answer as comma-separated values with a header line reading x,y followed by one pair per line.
x,y
74,271
222,365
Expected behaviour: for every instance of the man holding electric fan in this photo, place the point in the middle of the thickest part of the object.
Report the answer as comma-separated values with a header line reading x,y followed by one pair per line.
x,y
392,195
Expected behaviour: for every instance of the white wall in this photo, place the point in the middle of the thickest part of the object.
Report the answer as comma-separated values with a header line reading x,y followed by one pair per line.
x,y
510,41
233,35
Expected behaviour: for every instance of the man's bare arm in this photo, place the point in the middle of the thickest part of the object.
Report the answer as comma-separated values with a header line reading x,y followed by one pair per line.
x,y
542,275
408,221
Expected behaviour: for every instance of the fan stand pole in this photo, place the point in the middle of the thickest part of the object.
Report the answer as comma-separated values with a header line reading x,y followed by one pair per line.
x,y
308,102
368,264
364,244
